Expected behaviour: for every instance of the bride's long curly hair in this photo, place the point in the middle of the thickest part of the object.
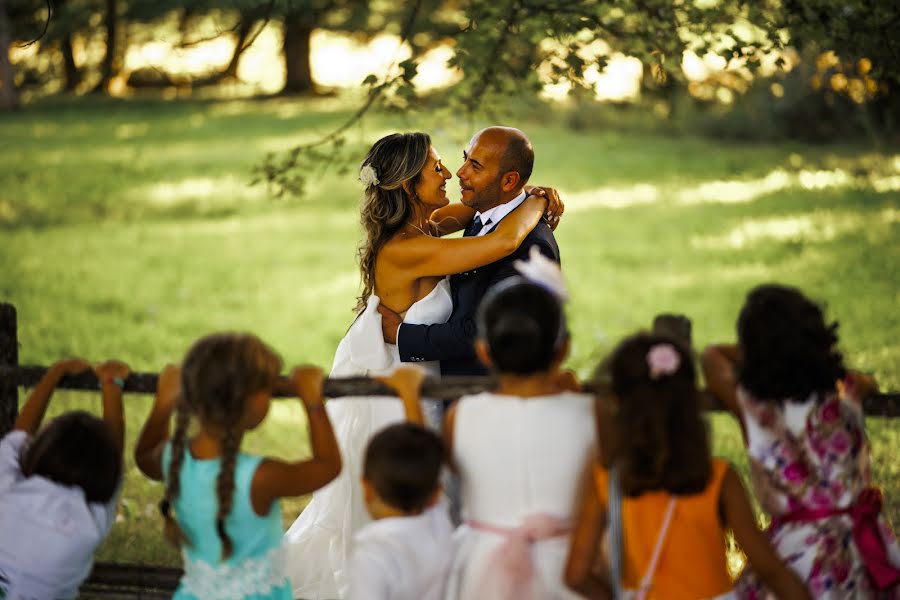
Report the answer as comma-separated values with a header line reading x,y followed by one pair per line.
x,y
386,207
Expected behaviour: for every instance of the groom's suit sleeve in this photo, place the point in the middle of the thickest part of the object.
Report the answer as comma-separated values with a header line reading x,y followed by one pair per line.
x,y
455,339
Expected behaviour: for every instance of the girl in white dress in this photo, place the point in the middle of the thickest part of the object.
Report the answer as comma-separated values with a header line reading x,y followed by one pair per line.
x,y
519,452
404,263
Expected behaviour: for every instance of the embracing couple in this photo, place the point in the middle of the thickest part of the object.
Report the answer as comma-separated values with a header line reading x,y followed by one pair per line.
x,y
418,304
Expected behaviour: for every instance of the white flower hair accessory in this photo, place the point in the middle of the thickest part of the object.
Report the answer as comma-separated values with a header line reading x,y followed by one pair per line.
x,y
542,271
663,359
368,176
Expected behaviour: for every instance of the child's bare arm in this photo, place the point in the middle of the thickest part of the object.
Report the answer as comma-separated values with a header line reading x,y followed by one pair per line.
x,y
582,573
738,513
148,450
447,429
36,406
720,371
276,478
112,375
864,384
407,382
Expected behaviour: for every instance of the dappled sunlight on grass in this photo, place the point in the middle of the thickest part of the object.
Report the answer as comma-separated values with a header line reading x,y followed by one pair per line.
x,y
127,131
167,193
725,273
817,227
729,191
735,192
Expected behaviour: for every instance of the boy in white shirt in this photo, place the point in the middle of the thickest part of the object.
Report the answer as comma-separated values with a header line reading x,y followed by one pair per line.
x,y
405,553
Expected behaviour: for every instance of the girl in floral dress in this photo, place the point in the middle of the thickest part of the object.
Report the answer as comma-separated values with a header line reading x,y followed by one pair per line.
x,y
802,420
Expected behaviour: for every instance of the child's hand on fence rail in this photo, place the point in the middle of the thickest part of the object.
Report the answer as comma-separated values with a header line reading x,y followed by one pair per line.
x,y
308,384
112,372
68,366
407,382
32,413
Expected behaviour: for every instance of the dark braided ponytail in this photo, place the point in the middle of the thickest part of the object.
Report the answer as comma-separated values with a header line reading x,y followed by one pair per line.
x,y
231,443
173,531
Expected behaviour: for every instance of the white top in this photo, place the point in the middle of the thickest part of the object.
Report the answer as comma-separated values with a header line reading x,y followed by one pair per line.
x,y
518,457
492,216
318,543
48,531
402,558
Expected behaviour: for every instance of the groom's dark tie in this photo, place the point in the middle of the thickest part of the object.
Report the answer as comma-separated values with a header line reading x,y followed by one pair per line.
x,y
474,227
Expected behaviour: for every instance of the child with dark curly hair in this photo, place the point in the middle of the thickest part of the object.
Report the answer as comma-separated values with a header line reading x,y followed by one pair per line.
x,y
676,500
59,486
222,506
801,415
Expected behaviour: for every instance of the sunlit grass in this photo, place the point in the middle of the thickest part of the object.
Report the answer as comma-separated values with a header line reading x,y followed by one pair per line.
x,y
128,230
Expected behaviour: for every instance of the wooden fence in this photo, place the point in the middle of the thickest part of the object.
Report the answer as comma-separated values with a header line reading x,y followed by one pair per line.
x,y
116,580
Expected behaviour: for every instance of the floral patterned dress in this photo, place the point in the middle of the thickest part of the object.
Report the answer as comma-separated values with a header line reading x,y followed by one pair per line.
x,y
811,458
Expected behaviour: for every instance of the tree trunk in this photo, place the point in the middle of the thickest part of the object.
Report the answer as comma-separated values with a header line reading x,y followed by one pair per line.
x,y
108,68
72,74
295,52
9,97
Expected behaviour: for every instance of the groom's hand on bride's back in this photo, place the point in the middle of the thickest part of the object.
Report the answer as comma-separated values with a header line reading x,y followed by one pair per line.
x,y
555,206
390,323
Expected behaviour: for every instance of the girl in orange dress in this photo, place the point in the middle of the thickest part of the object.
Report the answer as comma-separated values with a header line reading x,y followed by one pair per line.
x,y
677,501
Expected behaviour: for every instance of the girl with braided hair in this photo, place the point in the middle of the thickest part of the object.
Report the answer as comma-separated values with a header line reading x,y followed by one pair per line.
x,y
222,506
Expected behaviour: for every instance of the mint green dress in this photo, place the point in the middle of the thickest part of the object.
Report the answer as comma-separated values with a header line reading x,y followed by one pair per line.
x,y
255,570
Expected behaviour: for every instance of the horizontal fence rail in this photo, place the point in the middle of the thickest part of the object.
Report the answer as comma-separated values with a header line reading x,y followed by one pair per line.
x,y
436,388
446,388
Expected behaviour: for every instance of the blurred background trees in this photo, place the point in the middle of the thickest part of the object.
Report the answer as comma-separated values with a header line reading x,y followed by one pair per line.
x,y
813,69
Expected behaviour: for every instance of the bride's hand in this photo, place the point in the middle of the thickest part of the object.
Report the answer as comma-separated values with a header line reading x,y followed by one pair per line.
x,y
555,205
390,323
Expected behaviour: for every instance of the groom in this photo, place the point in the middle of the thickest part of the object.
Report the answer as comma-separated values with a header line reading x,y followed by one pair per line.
x,y
498,163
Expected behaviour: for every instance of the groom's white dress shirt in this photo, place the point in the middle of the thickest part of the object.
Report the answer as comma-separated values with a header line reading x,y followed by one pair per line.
x,y
492,216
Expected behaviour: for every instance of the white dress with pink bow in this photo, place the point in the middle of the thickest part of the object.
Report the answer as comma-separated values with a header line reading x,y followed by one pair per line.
x,y
520,462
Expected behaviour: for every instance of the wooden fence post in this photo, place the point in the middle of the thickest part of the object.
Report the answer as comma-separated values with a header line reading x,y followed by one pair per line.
x,y
9,357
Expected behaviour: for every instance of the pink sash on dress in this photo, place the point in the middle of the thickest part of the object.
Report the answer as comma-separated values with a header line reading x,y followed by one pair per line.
x,y
866,533
509,573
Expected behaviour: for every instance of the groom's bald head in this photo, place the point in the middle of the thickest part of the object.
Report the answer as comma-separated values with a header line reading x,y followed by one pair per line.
x,y
498,163
519,153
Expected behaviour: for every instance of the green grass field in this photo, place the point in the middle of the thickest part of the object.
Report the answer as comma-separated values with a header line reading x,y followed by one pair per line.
x,y
129,229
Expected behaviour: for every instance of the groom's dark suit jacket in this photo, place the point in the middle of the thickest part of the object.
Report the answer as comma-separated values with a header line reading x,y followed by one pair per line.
x,y
452,342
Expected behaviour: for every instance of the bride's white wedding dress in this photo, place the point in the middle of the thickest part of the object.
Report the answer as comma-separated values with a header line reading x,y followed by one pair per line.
x,y
317,545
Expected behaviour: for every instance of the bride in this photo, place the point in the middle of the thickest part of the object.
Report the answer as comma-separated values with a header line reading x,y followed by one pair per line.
x,y
404,262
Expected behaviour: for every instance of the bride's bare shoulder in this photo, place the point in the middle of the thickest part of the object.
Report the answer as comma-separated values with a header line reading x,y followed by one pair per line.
x,y
403,249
